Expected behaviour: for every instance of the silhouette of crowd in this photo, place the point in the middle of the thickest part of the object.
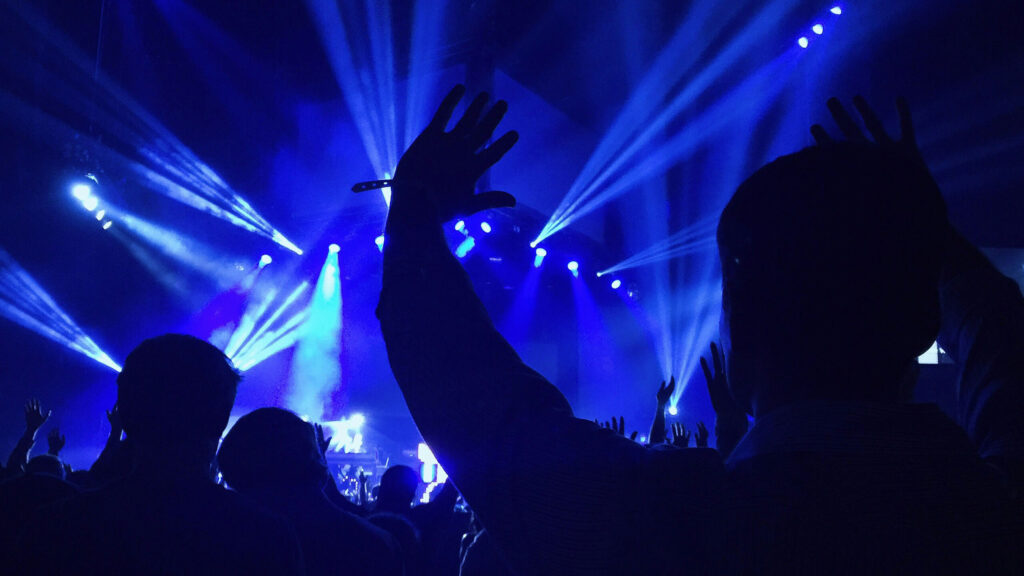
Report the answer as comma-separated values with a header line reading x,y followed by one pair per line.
x,y
840,254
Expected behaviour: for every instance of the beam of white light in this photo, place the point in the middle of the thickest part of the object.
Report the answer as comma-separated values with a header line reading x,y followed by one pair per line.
x,y
634,131
26,303
764,83
358,41
691,238
248,338
273,342
316,364
84,98
359,98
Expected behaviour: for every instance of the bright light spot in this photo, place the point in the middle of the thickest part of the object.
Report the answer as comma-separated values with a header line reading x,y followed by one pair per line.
x,y
802,42
539,258
836,10
673,410
486,227
81,192
334,248
574,267
265,260
465,247
379,241
346,434
818,28
534,244
107,224
460,225
616,284
542,252
90,203
101,214
930,356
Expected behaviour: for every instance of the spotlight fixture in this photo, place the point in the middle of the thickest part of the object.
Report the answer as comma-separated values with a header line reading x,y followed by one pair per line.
x,y
265,260
673,410
486,227
616,284
379,241
539,258
574,267
836,10
334,248
802,42
817,29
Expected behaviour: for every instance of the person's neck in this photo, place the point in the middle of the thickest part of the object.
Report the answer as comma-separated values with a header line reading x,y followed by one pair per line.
x,y
172,464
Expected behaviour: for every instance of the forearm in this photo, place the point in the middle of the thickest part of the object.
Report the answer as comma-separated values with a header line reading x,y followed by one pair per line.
x,y
19,456
657,435
539,478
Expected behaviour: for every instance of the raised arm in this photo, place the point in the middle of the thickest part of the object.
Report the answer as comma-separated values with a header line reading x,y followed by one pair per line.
x,y
982,321
34,420
547,485
657,435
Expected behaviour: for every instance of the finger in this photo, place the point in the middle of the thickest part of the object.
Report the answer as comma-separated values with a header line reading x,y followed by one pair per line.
x,y
465,126
490,155
622,425
871,121
444,111
633,435
820,136
718,358
907,135
483,131
672,385
707,371
842,118
486,201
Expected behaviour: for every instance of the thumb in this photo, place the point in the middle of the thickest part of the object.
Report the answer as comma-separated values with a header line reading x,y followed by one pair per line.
x,y
486,201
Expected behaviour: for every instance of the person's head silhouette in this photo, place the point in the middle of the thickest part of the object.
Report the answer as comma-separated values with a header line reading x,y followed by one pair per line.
x,y
271,452
397,488
175,394
830,264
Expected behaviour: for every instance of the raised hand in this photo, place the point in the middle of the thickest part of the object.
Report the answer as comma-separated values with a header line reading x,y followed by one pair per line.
x,y
701,437
324,443
55,441
680,437
446,165
730,418
34,417
665,392
116,424
853,133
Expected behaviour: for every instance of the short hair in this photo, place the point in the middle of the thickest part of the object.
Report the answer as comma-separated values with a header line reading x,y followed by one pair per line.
x,y
271,448
398,484
176,389
832,254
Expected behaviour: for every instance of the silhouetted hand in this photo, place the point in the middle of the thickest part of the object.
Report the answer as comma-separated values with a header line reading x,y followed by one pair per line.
x,y
116,424
701,437
323,443
34,417
55,441
446,165
730,418
680,437
907,141
665,392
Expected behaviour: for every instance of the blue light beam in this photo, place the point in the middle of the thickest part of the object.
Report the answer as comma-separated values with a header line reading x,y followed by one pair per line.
x,y
26,303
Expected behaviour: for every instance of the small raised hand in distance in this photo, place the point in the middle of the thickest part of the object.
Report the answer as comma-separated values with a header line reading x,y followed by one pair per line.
x,y
700,438
55,441
323,443
680,437
442,167
34,417
664,395
116,424
730,419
